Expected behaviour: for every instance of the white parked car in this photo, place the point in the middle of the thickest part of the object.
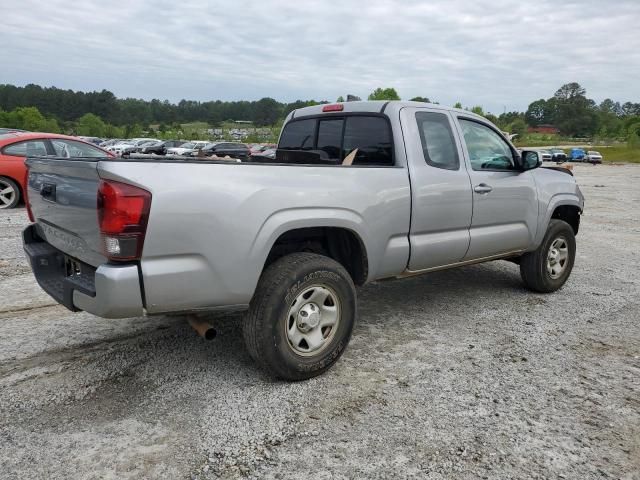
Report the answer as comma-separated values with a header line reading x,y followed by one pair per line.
x,y
545,155
119,147
593,157
186,148
128,146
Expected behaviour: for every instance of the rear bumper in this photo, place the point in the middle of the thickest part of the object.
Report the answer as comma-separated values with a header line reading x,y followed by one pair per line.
x,y
109,291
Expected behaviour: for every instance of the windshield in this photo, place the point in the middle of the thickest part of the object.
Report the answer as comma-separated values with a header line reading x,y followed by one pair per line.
x,y
188,145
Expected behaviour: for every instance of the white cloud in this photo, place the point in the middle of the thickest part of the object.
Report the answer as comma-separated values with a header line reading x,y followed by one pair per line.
x,y
496,54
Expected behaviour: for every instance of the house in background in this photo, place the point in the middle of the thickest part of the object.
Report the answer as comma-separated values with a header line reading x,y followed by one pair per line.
x,y
547,129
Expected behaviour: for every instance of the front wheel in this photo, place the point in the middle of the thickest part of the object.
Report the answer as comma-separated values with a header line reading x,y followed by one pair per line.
x,y
548,268
301,316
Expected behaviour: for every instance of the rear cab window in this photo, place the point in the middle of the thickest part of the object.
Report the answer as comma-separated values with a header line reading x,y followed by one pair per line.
x,y
366,140
298,135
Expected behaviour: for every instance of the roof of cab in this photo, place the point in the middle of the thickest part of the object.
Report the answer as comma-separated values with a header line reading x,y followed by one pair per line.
x,y
376,106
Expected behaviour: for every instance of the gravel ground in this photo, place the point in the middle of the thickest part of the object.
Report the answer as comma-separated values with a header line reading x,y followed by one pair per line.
x,y
456,374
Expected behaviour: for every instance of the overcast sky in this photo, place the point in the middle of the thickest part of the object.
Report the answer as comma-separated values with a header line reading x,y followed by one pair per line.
x,y
498,54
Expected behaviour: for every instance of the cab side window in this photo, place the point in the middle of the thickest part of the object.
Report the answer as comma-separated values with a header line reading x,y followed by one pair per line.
x,y
487,150
438,145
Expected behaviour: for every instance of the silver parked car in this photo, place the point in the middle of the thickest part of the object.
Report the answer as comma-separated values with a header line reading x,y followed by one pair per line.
x,y
357,192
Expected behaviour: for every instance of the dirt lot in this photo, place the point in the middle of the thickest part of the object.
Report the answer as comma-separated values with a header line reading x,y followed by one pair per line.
x,y
458,374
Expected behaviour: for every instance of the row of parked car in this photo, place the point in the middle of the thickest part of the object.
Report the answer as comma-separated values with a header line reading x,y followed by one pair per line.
x,y
196,148
575,155
16,145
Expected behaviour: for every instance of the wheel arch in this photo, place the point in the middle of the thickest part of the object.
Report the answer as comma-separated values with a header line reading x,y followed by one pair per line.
x,y
568,213
338,234
564,207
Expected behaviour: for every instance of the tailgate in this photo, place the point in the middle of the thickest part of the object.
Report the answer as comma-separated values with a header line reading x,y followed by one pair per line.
x,y
63,196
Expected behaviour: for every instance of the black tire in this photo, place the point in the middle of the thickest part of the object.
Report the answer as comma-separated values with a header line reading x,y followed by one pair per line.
x,y
15,198
533,265
279,288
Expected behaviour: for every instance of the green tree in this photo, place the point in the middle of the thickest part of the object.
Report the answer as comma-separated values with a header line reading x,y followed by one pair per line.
x,y
90,125
340,99
478,110
111,131
575,114
518,126
457,105
267,112
421,99
27,118
288,108
492,118
507,118
132,131
607,106
384,94
569,91
538,113
631,109
30,118
633,137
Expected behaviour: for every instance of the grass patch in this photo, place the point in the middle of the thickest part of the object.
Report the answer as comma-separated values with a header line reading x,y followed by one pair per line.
x,y
620,153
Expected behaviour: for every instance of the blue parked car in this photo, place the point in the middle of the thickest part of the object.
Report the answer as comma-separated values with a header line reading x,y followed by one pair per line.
x,y
577,154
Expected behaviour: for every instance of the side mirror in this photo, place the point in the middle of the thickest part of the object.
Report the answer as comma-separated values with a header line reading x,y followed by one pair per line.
x,y
530,160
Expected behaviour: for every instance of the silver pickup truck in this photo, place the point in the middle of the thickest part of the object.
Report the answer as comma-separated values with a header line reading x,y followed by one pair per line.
x,y
357,192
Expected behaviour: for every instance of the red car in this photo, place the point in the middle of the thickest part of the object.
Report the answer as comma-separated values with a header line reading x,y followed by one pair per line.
x,y
16,146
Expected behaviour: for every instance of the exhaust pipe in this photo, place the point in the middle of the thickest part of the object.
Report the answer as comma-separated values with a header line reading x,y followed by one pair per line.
x,y
204,329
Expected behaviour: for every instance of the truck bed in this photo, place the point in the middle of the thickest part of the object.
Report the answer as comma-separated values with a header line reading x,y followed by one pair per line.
x,y
212,222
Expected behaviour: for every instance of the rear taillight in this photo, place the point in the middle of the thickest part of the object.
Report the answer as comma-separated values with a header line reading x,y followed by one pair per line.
x,y
123,211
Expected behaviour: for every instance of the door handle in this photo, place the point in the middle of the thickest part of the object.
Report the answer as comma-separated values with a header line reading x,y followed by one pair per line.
x,y
482,188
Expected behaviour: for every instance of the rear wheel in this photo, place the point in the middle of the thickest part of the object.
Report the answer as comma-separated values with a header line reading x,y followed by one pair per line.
x,y
548,268
9,193
301,317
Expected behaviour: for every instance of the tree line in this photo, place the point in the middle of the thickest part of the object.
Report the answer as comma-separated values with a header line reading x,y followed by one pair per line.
x,y
69,106
51,109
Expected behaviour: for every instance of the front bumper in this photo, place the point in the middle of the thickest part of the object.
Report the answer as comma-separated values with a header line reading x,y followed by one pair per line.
x,y
109,291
